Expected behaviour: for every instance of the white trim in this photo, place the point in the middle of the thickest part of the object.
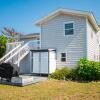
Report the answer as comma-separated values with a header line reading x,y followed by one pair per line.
x,y
16,42
68,29
40,35
87,56
63,57
65,11
87,14
30,61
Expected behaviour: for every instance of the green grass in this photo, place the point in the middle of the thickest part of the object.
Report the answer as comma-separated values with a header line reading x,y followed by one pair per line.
x,y
52,90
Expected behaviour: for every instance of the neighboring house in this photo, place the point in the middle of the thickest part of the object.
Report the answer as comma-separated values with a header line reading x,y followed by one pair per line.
x,y
73,34
30,37
34,38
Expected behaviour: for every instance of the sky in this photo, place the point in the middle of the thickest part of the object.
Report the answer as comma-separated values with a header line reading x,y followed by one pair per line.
x,y
22,14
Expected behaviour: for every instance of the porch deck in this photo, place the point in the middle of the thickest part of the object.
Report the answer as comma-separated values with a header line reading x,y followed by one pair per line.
x,y
25,79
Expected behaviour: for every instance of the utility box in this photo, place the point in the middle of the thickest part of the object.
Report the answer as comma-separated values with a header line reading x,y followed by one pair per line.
x,y
43,61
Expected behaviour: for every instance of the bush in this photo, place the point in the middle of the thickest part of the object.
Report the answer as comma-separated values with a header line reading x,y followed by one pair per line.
x,y
3,41
88,70
11,40
73,74
85,71
61,74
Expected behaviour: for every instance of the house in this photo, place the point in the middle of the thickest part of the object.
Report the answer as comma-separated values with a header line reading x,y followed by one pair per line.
x,y
73,34
34,38
30,37
66,36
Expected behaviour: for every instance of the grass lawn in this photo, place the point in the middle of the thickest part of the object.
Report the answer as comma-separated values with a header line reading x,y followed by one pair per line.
x,y
52,90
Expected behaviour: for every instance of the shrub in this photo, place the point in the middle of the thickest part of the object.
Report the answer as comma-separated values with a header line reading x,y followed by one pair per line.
x,y
73,74
85,71
3,41
88,70
61,74
11,40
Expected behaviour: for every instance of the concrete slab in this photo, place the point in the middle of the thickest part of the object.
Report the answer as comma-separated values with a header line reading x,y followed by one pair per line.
x,y
23,80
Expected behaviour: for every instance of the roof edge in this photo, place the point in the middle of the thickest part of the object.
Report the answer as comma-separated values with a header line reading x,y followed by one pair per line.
x,y
87,14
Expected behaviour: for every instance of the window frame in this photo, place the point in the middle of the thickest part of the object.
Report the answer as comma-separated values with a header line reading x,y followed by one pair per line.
x,y
69,22
63,57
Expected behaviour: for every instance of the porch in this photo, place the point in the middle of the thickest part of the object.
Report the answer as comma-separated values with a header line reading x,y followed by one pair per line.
x,y
25,79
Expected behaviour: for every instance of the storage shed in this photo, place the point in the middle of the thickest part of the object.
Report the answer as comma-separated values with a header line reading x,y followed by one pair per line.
x,y
43,61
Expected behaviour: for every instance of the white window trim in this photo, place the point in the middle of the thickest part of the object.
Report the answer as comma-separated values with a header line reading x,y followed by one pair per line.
x,y
70,28
63,57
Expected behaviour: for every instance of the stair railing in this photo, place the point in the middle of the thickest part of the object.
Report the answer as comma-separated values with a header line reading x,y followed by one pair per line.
x,y
19,55
5,57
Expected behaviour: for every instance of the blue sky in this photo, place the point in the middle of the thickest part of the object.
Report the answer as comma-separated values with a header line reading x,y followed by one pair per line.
x,y
21,14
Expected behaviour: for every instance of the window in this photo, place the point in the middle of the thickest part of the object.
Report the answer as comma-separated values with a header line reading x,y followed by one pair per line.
x,y
38,42
69,29
63,57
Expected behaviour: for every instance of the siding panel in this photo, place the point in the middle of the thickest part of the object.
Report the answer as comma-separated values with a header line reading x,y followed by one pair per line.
x,y
52,36
92,45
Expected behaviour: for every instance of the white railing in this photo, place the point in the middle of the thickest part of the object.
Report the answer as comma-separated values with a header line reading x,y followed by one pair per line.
x,y
34,44
18,53
11,46
5,57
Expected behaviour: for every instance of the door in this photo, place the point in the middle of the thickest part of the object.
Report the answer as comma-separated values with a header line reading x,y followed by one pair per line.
x,y
36,62
44,63
40,62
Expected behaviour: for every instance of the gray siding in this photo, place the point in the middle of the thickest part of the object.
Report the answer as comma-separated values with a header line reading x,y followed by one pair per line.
x,y
25,64
52,36
92,43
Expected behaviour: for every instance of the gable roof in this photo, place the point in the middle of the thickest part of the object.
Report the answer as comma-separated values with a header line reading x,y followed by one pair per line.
x,y
87,14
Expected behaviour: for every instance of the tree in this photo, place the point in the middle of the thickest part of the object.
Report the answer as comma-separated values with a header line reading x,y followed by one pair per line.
x,y
3,41
11,34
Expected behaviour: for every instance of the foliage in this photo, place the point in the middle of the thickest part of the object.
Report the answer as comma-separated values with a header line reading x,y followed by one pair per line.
x,y
11,34
11,40
61,74
88,70
3,41
73,74
85,71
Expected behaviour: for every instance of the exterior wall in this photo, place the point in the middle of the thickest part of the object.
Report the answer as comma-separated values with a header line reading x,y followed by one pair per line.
x,y
25,64
98,35
52,61
52,36
92,43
